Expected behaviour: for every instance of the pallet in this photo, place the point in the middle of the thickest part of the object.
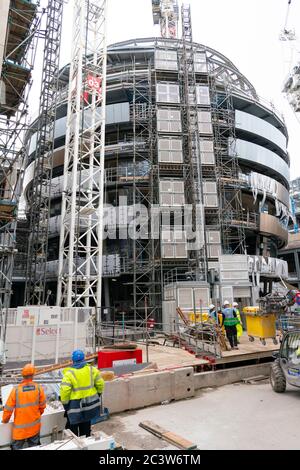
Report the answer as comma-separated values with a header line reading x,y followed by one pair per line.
x,y
168,436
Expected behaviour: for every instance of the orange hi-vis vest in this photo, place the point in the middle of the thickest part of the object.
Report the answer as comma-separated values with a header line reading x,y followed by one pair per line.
x,y
28,402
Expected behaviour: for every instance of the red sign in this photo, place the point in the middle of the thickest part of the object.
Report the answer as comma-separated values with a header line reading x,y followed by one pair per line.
x,y
25,314
47,331
94,83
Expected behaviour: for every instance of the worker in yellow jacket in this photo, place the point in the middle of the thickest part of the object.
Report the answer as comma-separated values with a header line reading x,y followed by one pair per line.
x,y
80,392
239,326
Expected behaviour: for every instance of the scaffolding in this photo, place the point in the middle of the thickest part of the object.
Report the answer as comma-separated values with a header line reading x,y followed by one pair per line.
x,y
81,236
231,217
40,193
23,31
193,168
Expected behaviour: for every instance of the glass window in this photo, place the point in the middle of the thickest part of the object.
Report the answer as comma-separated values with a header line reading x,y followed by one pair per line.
x,y
168,120
167,93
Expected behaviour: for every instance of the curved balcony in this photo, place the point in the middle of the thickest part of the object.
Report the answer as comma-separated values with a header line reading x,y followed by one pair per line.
x,y
257,156
259,128
256,182
293,242
271,226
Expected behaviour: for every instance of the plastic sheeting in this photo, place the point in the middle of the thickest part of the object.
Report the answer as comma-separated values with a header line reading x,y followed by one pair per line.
x,y
268,186
273,267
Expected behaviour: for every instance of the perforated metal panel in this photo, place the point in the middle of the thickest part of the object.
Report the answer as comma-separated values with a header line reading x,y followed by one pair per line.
x,y
209,187
214,251
211,200
240,292
204,120
167,93
169,120
213,236
171,193
200,62
185,297
170,150
166,60
203,97
201,294
227,293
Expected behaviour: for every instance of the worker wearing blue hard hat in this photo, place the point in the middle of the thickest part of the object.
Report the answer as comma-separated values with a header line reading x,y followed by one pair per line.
x,y
80,391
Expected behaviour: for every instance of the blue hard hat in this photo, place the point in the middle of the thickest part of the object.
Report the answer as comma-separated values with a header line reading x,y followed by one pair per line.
x,y
78,355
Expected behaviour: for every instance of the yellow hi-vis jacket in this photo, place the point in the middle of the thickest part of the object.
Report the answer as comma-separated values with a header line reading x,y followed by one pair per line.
x,y
79,392
239,326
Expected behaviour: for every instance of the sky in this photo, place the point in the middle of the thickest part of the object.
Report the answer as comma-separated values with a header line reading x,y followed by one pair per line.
x,y
246,31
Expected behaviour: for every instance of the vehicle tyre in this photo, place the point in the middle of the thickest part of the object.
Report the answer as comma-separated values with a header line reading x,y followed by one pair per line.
x,y
277,378
251,339
275,341
263,341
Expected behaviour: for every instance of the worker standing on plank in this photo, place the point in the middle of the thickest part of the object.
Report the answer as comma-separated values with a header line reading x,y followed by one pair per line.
x,y
28,402
230,320
80,391
239,326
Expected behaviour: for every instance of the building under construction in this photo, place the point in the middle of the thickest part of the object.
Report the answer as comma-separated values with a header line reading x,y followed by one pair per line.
x,y
186,135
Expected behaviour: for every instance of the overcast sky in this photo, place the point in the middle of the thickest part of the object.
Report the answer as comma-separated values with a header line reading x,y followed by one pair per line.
x,y
246,31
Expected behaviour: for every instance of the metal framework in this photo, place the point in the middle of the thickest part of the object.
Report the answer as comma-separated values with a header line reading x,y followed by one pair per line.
x,y
81,237
231,217
193,176
166,14
35,288
18,63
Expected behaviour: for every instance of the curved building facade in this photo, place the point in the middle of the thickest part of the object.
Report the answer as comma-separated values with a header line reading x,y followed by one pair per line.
x,y
242,171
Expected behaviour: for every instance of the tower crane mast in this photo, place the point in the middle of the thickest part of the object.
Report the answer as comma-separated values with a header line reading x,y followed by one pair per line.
x,y
166,14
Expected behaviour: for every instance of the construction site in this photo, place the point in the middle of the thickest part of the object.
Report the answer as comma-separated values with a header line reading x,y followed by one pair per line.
x,y
149,195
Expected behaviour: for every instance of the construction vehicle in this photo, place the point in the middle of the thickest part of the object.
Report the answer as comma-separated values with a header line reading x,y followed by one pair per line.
x,y
286,367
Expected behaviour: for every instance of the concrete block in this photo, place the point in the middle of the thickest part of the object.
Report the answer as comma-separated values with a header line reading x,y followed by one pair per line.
x,y
149,389
116,395
182,383
229,376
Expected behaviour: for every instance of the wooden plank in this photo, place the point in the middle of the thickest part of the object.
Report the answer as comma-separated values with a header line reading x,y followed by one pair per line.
x,y
168,436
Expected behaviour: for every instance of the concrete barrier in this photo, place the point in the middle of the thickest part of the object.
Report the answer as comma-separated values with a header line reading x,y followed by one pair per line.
x,y
149,389
139,391
229,376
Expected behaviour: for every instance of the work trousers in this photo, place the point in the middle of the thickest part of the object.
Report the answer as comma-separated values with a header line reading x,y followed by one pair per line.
x,y
231,334
31,442
80,429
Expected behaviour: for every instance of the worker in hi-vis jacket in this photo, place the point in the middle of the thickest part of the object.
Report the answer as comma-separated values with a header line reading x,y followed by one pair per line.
x,y
27,401
80,391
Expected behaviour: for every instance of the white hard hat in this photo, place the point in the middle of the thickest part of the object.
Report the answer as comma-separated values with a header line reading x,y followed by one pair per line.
x,y
235,304
211,306
226,302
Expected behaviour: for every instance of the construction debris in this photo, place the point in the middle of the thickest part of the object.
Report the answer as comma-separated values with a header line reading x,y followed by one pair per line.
x,y
168,436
